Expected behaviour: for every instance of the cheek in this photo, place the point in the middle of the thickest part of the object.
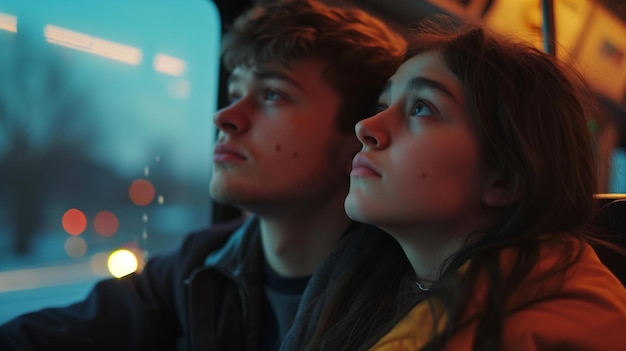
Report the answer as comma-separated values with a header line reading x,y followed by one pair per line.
x,y
428,172
463,161
453,156
280,147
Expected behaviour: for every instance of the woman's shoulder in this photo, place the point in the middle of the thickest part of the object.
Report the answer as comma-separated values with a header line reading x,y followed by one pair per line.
x,y
583,308
581,315
584,276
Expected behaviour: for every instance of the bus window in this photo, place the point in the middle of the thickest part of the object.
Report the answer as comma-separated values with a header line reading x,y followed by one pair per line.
x,y
105,134
618,172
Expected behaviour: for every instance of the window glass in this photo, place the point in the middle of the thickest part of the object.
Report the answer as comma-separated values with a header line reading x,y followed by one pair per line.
x,y
105,135
618,172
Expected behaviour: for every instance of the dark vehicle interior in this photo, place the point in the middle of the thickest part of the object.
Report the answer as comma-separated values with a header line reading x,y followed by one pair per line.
x,y
106,124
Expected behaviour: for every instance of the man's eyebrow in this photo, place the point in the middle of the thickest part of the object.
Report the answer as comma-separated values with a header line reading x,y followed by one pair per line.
x,y
267,74
232,79
418,83
262,74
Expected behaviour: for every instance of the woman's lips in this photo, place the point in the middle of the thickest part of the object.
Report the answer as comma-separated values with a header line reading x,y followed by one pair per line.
x,y
361,166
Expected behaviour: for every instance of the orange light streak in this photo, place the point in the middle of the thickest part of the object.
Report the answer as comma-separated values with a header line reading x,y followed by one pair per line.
x,y
93,45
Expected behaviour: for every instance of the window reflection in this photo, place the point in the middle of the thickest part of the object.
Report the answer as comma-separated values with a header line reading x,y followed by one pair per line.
x,y
105,130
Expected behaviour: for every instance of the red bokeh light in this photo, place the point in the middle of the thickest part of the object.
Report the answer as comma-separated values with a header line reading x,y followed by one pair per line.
x,y
74,221
141,192
106,223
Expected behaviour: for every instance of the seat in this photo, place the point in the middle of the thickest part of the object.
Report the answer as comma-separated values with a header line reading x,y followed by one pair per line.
x,y
610,222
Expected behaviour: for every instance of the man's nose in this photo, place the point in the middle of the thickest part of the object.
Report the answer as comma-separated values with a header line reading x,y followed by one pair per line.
x,y
232,119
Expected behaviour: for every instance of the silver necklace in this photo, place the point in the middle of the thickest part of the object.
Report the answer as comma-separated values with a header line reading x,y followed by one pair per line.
x,y
419,286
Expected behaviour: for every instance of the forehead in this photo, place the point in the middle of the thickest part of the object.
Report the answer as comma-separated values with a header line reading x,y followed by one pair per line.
x,y
429,65
302,72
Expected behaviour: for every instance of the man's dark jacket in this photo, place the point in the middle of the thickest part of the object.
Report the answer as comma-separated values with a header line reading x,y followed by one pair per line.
x,y
205,296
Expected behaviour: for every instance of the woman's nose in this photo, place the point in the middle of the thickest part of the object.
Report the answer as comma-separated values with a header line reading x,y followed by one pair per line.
x,y
371,134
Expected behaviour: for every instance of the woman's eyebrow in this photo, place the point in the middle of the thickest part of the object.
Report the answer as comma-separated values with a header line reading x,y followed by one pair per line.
x,y
418,83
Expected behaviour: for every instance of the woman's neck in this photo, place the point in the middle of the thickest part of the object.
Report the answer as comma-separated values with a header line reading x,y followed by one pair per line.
x,y
428,249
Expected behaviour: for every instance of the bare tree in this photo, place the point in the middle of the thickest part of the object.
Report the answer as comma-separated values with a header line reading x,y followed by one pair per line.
x,y
43,121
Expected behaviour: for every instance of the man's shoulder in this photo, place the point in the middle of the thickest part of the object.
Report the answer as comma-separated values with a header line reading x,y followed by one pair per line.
x,y
226,243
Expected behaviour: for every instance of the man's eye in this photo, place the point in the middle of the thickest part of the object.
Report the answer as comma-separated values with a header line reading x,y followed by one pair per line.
x,y
233,97
271,95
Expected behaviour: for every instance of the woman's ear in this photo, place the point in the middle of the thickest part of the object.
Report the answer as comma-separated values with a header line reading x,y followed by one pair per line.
x,y
501,191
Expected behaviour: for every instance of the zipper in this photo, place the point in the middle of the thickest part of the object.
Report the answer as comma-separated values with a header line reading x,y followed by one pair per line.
x,y
190,286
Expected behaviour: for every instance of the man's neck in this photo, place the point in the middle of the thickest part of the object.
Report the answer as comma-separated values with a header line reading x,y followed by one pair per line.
x,y
296,245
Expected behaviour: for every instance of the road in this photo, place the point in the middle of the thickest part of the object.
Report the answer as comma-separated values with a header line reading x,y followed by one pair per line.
x,y
30,289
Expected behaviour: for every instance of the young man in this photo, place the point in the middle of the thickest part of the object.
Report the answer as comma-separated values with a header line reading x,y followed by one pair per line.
x,y
302,75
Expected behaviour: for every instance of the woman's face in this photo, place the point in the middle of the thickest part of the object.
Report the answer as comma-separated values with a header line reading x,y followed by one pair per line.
x,y
420,168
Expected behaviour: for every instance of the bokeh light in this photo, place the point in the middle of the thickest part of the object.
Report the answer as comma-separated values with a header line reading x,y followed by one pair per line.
x,y
141,192
122,262
75,247
99,264
106,223
137,251
74,221
132,246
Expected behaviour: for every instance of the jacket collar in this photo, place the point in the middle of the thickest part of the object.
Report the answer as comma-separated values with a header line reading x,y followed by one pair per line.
x,y
242,248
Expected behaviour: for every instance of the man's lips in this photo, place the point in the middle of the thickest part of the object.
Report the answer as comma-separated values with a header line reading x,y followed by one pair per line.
x,y
227,153
361,166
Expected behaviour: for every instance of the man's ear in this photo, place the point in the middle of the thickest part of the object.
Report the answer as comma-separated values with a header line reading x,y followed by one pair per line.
x,y
501,191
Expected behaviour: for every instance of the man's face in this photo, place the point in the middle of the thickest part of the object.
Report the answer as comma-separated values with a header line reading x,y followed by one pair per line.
x,y
279,147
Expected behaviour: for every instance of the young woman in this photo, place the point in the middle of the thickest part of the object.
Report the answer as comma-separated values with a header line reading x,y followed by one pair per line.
x,y
479,163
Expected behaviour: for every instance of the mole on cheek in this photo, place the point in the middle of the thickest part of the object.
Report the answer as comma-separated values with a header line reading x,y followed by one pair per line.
x,y
424,175
295,155
278,147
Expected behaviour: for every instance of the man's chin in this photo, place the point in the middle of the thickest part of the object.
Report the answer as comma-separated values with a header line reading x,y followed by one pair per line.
x,y
223,194
218,191
220,195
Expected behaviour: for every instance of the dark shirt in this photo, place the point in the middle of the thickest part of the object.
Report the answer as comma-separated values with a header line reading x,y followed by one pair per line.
x,y
281,301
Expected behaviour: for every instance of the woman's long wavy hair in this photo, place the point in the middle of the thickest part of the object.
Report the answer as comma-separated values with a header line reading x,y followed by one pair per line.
x,y
530,113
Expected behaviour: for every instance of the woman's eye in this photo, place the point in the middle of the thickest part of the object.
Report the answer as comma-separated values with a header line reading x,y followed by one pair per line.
x,y
421,108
